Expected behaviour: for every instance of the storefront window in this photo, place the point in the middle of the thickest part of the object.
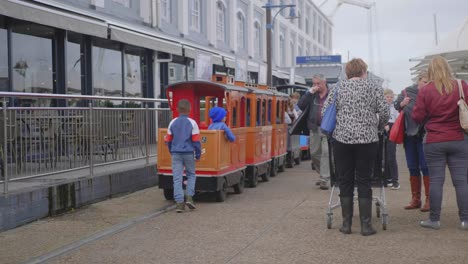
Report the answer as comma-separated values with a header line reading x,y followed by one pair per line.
x,y
3,56
134,81
74,60
107,70
32,60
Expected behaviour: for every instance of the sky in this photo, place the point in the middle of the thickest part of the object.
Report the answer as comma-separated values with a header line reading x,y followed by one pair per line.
x,y
403,29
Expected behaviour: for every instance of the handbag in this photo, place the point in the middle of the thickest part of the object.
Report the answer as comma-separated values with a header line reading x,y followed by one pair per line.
x,y
462,108
397,133
329,116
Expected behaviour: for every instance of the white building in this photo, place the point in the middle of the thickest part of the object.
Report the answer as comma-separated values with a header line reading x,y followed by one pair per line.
x,y
136,47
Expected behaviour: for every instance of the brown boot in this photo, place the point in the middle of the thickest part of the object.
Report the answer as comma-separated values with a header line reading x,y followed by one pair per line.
x,y
426,206
415,202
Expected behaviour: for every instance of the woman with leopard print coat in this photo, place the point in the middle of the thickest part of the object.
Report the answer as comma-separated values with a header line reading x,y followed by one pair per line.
x,y
361,113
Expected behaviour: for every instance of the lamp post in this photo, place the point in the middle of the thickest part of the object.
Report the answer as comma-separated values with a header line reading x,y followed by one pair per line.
x,y
269,27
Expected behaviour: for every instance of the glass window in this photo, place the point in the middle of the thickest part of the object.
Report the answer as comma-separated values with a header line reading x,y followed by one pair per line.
x,y
3,57
240,31
32,60
293,55
134,73
314,26
74,60
299,51
166,10
307,26
247,110
221,22
319,30
257,40
282,50
234,115
299,20
196,8
269,113
107,70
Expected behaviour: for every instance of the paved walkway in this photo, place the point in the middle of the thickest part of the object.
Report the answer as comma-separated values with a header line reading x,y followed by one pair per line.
x,y
282,221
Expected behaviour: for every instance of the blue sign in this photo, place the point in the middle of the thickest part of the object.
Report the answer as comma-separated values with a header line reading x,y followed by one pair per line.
x,y
318,59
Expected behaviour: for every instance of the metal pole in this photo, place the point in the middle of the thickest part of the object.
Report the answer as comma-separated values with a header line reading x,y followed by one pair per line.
x,y
5,158
90,144
147,133
269,28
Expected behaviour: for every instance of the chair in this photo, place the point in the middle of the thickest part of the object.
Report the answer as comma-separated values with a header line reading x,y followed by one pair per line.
x,y
132,131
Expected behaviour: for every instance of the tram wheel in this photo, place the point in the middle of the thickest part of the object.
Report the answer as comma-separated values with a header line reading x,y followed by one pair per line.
x,y
169,194
253,180
221,194
274,170
239,187
282,166
297,160
266,176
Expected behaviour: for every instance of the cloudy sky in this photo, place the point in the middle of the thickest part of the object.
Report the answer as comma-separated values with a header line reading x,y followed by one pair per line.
x,y
403,28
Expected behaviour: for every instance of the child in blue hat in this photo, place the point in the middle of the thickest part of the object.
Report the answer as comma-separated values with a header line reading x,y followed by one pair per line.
x,y
218,116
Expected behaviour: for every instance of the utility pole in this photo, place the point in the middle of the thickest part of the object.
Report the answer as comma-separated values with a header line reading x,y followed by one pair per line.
x,y
269,28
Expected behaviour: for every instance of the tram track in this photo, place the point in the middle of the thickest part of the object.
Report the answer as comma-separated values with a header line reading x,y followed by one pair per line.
x,y
45,258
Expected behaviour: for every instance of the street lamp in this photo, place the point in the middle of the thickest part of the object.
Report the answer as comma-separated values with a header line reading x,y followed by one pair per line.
x,y
269,28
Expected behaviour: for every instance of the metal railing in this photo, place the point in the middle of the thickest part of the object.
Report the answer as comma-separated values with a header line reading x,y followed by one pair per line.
x,y
40,141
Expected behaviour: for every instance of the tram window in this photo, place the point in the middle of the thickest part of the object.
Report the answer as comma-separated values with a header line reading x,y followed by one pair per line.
x,y
234,116
278,117
259,113
264,112
242,112
269,112
248,113
202,109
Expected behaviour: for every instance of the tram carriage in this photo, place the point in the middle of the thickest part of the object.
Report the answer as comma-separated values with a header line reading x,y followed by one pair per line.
x,y
255,116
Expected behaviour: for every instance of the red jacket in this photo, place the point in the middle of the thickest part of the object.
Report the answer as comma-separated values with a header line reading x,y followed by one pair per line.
x,y
440,112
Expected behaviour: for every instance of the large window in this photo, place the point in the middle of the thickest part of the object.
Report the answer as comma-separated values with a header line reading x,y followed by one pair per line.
x,y
314,26
282,51
166,10
134,72
107,69
195,16
74,62
221,22
240,31
293,55
32,59
319,30
3,57
258,40
299,20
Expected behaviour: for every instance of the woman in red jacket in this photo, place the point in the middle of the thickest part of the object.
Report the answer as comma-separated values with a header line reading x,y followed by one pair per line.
x,y
445,143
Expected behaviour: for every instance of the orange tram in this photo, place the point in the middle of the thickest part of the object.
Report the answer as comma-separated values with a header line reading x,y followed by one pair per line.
x,y
255,115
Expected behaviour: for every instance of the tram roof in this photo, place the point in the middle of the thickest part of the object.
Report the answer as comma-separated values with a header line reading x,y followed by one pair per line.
x,y
226,87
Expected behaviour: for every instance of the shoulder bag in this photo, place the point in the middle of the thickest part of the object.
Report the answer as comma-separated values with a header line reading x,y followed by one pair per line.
x,y
462,108
329,116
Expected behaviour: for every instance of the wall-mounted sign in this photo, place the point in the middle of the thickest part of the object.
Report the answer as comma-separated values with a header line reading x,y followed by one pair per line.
x,y
318,59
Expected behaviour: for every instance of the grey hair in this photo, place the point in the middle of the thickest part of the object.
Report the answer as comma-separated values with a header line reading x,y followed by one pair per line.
x,y
319,76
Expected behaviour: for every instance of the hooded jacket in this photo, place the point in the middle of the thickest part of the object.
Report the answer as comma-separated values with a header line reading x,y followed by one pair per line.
x,y
217,114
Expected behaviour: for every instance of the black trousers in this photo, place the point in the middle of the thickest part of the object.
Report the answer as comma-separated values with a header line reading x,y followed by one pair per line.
x,y
354,165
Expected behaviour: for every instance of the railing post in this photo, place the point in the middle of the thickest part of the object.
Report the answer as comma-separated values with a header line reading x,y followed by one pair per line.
x,y
5,152
91,145
147,133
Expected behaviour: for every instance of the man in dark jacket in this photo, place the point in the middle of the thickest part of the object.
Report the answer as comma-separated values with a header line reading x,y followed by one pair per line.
x,y
314,99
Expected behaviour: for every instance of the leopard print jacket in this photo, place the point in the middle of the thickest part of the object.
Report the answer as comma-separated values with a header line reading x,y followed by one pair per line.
x,y
361,111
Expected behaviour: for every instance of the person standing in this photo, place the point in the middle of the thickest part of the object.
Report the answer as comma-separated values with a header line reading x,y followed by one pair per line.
x,y
313,100
445,143
414,134
361,112
391,165
183,141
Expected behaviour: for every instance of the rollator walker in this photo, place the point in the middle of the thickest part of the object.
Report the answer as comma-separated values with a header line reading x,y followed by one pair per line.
x,y
378,182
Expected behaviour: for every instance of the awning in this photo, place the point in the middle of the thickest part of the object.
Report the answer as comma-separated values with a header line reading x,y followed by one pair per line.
x,y
253,67
281,75
229,62
53,17
142,39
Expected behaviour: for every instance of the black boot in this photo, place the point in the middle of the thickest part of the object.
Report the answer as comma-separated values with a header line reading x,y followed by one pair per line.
x,y
347,213
365,214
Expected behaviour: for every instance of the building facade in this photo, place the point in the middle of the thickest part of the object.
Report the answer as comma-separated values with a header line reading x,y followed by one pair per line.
x,y
133,48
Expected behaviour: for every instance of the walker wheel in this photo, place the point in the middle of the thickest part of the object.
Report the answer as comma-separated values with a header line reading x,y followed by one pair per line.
x,y
329,221
377,210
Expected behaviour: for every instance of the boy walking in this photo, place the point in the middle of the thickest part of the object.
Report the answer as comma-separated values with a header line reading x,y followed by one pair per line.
x,y
183,140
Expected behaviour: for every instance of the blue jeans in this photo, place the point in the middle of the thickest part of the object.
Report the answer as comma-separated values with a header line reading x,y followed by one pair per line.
x,y
179,161
415,156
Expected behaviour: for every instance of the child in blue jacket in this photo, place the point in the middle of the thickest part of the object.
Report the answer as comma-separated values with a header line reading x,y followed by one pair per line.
x,y
218,116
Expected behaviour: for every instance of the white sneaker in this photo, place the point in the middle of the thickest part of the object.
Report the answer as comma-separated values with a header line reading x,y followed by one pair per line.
x,y
396,186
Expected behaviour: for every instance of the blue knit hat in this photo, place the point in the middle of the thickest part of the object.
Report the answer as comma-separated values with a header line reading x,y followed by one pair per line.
x,y
217,114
